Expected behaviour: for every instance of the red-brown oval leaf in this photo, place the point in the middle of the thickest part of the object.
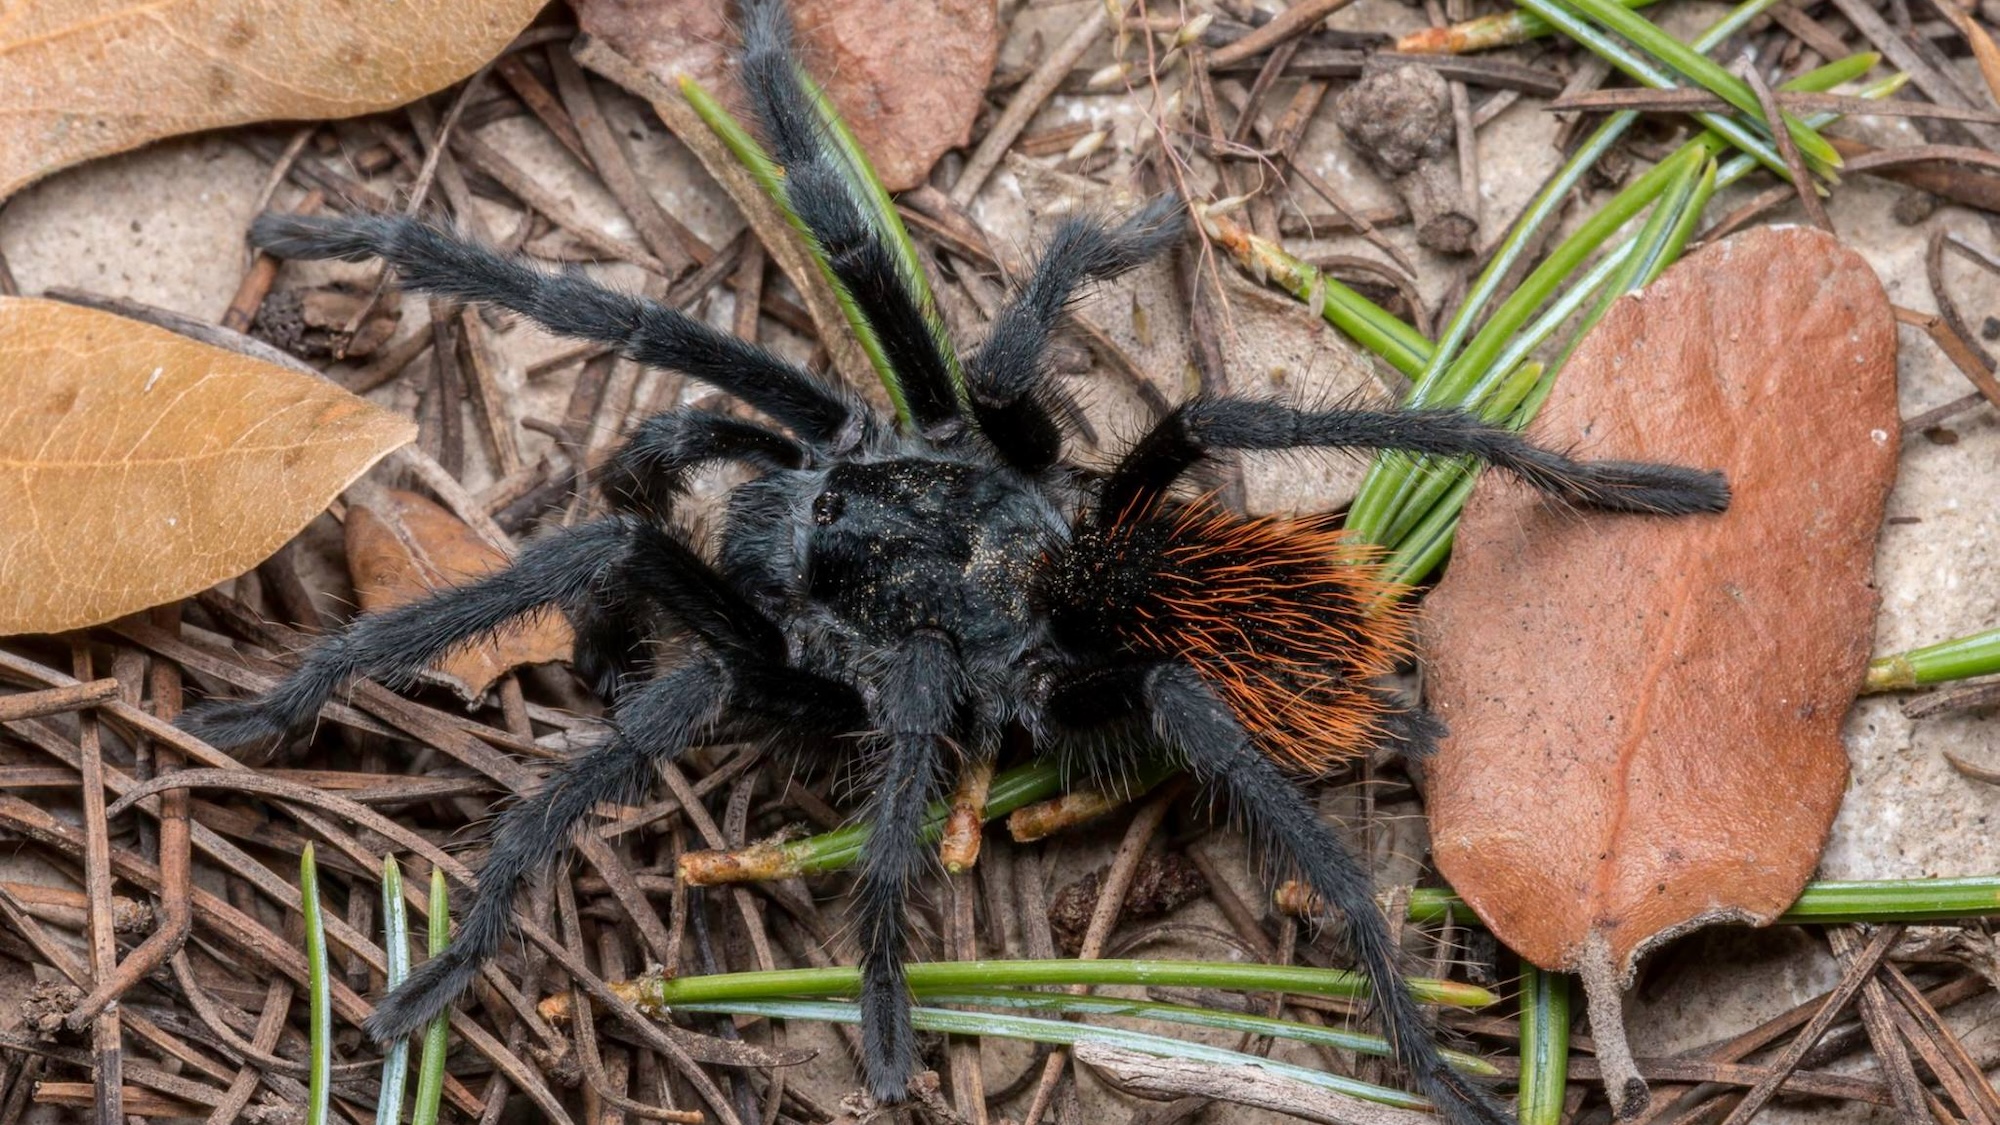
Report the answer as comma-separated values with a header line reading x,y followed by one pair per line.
x,y
1646,712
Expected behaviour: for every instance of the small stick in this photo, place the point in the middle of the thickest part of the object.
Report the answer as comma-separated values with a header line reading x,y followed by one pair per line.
x,y
1027,101
1859,972
56,701
256,284
483,364
1936,84
1103,919
671,242
1961,355
105,1037
1293,21
541,103
1890,1049
1802,180
487,159
176,915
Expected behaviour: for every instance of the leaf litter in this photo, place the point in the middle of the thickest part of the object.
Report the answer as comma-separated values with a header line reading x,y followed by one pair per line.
x,y
553,717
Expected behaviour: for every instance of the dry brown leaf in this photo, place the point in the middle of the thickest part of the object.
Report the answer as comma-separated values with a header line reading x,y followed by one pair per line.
x,y
402,546
908,76
1983,48
86,78
1646,712
137,466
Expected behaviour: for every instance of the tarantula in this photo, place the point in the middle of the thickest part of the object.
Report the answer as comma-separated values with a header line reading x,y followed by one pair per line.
x,y
912,592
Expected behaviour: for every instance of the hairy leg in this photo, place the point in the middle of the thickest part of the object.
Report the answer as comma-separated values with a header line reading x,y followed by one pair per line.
x,y
1192,723
817,190
568,304
1202,426
560,570
1007,379
649,471
917,699
656,723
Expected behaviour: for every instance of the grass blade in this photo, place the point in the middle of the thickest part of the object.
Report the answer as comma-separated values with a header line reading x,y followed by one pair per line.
x,y
319,1003
881,211
660,993
1544,1046
396,953
1068,1004
430,1070
753,157
1703,71
1066,1034
1362,320
1828,902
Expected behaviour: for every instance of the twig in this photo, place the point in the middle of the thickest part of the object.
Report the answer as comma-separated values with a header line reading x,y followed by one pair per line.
x,y
56,701
107,1062
542,103
671,242
1026,102
176,915
1858,972
1802,180
1292,22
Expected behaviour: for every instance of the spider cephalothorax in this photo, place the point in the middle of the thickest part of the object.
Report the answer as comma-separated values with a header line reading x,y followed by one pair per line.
x,y
930,586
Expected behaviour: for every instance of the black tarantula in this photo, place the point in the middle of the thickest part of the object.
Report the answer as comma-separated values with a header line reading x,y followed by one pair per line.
x,y
916,591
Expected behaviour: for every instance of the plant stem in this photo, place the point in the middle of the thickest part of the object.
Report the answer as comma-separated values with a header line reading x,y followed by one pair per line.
x,y
925,977
1544,1046
430,1070
1977,655
396,952
319,1004
1822,903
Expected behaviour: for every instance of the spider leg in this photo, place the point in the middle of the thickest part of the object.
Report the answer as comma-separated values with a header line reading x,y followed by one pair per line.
x,y
1007,380
817,190
917,699
656,723
1196,726
1201,426
393,646
649,472
569,304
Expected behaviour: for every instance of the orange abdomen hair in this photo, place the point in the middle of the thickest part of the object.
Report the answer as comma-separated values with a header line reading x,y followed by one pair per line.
x,y
1290,620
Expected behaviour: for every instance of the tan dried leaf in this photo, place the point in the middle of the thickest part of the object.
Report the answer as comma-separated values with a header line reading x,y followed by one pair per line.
x,y
1645,713
85,78
137,466
908,76
403,546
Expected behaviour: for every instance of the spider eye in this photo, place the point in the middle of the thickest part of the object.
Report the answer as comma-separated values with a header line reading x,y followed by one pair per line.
x,y
827,507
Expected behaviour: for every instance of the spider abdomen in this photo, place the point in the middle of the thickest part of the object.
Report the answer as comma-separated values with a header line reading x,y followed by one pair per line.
x,y
1289,619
